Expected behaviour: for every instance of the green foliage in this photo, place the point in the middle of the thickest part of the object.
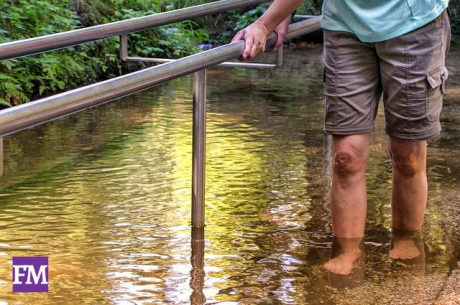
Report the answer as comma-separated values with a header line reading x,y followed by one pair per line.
x,y
249,17
28,78
21,79
454,6
173,41
310,7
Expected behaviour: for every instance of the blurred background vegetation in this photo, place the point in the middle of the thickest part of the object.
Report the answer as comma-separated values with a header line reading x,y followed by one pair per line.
x,y
28,78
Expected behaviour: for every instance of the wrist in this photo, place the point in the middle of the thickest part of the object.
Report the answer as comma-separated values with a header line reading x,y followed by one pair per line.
x,y
261,22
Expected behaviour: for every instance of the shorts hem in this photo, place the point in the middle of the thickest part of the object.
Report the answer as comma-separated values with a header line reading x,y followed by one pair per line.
x,y
414,137
347,131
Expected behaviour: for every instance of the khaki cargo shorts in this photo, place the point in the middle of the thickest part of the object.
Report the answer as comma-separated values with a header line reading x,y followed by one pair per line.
x,y
409,70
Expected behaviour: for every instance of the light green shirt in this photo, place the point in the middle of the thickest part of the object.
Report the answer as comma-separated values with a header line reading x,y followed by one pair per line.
x,y
378,20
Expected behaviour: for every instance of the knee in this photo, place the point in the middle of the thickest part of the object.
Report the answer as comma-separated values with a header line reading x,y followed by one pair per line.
x,y
349,161
404,162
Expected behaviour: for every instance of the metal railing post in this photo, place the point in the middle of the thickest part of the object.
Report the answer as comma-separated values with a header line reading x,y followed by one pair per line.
x,y
199,148
124,47
197,274
279,57
1,157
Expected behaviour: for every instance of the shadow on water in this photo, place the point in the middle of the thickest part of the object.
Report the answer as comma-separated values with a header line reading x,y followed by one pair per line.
x,y
106,195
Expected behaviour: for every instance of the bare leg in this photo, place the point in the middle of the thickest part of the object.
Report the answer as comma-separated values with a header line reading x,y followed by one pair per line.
x,y
348,199
409,194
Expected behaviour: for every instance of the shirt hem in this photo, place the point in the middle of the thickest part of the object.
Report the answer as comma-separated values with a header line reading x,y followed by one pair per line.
x,y
413,25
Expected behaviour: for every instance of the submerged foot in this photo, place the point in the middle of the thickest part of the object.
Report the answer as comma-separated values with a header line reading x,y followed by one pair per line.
x,y
404,249
342,264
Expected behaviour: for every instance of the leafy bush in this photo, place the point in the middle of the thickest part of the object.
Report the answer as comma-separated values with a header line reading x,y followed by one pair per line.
x,y
310,7
28,78
454,7
49,72
249,17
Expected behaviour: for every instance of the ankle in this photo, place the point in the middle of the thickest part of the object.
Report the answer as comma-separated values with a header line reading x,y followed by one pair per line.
x,y
405,234
352,252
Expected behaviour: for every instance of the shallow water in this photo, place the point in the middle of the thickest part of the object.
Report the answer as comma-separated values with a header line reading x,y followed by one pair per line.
x,y
106,195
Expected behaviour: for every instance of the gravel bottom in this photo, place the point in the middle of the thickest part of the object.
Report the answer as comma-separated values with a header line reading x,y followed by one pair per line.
x,y
402,290
450,294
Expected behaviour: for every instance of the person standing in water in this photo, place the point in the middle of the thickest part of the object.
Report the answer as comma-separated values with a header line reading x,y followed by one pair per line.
x,y
396,48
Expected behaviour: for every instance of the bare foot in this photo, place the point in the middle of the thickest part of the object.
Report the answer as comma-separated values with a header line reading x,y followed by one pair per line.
x,y
342,264
404,249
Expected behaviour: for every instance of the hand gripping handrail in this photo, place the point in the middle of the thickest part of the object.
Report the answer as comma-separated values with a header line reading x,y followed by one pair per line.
x,y
51,42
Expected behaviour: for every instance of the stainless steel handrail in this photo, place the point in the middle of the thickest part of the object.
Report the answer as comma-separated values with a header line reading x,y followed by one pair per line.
x,y
51,42
37,112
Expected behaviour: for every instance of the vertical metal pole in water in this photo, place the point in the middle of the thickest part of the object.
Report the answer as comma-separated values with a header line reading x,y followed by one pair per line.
x,y
124,47
279,57
328,156
1,157
199,148
197,273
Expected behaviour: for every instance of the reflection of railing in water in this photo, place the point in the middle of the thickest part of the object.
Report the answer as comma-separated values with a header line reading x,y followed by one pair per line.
x,y
197,273
47,109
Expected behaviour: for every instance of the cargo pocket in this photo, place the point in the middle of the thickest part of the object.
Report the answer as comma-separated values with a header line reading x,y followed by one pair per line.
x,y
436,87
330,111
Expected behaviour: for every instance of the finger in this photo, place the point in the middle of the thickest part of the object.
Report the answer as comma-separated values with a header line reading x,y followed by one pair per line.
x,y
257,48
248,47
262,46
238,36
279,42
253,52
